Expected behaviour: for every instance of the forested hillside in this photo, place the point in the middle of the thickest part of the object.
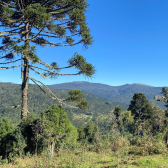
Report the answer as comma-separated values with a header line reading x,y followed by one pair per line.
x,y
99,109
121,94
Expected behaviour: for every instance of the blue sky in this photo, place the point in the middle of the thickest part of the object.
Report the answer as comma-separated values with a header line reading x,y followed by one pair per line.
x,y
130,45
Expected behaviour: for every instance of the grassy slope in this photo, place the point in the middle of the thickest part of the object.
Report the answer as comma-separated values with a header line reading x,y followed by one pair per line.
x,y
85,159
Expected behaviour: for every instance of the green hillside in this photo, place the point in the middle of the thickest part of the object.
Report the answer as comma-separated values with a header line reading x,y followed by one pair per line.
x,y
98,111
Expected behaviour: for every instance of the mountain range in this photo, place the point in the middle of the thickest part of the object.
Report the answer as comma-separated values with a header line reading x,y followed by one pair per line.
x,y
120,94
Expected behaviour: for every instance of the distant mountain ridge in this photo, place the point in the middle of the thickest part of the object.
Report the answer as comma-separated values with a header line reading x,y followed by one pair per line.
x,y
121,94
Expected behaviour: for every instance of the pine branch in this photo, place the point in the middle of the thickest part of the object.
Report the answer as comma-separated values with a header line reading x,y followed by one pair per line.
x,y
4,4
5,46
49,36
3,68
4,32
65,7
51,67
11,61
39,73
54,96
20,7
50,44
45,64
20,39
37,34
51,72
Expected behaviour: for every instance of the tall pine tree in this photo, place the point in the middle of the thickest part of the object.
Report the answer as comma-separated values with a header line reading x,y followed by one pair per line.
x,y
28,23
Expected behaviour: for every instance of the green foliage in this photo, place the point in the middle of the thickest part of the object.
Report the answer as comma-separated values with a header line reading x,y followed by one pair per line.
x,y
88,133
118,120
12,143
99,109
164,98
55,122
117,112
26,126
148,145
6,130
77,96
53,127
139,107
6,127
128,121
80,63
36,14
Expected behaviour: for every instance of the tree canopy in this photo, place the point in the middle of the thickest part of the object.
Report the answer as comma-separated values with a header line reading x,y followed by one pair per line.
x,y
140,107
29,23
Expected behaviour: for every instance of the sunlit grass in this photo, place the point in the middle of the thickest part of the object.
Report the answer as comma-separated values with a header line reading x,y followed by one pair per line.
x,y
86,159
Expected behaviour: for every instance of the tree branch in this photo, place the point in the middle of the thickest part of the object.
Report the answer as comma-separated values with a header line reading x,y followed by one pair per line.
x,y
3,68
54,97
11,61
52,72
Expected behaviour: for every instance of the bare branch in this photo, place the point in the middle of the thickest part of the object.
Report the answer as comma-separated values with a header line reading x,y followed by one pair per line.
x,y
37,34
3,68
3,32
45,64
11,61
54,96
5,4
39,73
20,39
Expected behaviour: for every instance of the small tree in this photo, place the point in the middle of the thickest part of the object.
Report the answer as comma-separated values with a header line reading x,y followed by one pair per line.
x,y
90,132
6,130
141,110
128,121
56,128
164,98
28,23
140,107
118,120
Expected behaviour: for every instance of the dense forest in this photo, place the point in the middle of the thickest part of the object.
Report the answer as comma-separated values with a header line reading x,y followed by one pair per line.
x,y
99,109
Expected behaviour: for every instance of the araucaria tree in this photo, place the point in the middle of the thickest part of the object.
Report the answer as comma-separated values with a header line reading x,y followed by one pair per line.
x,y
28,23
139,107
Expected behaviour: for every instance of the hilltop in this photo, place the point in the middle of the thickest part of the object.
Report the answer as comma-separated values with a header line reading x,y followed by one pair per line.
x,y
121,94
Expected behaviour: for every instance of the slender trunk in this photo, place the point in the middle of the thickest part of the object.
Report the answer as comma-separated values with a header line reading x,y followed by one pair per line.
x,y
166,137
51,149
25,79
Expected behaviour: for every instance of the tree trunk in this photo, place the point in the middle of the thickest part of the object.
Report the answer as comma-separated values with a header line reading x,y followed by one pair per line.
x,y
25,79
166,137
51,149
